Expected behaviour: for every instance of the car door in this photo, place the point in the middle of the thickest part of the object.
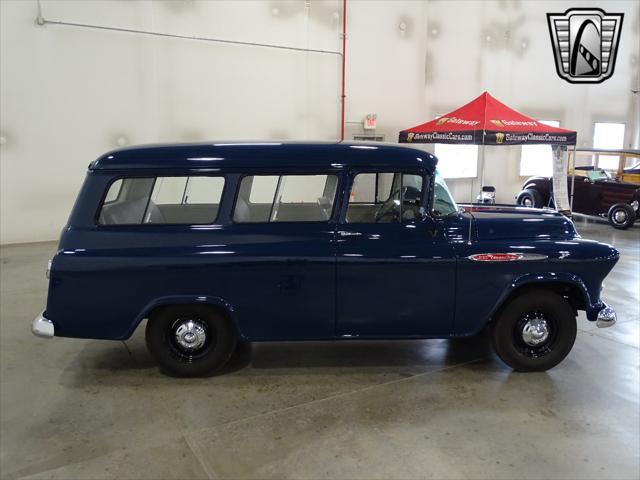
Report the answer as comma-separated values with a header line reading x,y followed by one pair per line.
x,y
587,195
281,283
395,268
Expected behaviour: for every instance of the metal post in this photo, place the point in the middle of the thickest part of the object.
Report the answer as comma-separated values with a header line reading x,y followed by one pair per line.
x,y
573,177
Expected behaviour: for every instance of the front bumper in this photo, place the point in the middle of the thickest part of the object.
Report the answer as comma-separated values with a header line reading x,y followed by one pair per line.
x,y
42,326
606,317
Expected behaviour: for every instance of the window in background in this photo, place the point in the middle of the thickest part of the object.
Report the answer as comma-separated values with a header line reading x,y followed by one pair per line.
x,y
537,159
457,161
608,136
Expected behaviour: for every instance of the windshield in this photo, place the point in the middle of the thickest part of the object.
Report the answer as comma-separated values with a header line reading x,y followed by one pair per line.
x,y
597,175
443,203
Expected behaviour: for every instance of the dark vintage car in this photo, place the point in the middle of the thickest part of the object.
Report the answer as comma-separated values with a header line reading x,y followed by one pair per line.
x,y
217,244
595,193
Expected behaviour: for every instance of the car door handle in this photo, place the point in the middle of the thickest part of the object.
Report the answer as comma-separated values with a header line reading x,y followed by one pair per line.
x,y
342,233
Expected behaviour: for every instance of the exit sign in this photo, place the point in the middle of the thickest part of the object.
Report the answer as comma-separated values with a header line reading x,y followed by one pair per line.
x,y
370,121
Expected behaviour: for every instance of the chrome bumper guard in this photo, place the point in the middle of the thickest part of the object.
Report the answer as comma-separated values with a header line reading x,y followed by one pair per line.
x,y
606,317
42,326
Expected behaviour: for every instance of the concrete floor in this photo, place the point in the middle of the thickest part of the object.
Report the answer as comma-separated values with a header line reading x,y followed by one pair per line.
x,y
428,409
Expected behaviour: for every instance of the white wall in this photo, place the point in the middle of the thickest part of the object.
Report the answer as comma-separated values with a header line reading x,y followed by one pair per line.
x,y
69,94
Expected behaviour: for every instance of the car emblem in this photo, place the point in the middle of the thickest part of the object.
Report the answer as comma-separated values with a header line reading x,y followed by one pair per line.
x,y
585,43
505,257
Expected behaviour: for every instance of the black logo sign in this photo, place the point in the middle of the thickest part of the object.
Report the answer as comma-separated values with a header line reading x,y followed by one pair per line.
x,y
585,43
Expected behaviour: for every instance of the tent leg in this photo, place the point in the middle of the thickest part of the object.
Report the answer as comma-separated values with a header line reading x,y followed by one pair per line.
x,y
481,176
573,177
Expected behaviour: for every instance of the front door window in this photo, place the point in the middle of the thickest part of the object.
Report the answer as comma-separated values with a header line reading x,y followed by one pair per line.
x,y
385,198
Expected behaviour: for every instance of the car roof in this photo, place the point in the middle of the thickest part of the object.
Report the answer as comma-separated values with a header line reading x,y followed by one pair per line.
x,y
272,155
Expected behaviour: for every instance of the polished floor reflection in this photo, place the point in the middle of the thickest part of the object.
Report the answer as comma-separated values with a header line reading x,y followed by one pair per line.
x,y
427,409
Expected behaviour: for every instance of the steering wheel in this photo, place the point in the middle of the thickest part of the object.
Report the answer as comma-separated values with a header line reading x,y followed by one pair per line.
x,y
387,207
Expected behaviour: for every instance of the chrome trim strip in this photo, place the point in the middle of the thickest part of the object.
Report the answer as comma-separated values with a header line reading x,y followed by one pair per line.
x,y
42,326
606,317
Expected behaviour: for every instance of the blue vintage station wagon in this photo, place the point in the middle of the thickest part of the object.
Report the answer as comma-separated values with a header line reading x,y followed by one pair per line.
x,y
222,243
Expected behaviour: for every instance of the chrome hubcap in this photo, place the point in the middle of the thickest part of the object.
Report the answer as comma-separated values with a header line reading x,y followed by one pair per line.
x,y
620,216
190,334
527,202
535,331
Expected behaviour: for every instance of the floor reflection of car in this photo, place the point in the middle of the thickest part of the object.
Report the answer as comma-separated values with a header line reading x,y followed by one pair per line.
x,y
596,192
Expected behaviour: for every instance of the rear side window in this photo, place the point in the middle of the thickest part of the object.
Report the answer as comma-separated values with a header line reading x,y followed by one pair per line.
x,y
285,198
162,200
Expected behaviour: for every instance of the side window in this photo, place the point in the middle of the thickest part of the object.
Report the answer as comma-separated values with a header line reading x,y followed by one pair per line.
x,y
113,192
285,198
162,200
385,197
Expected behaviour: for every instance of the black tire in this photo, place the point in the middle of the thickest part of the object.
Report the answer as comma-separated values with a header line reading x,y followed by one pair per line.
x,y
514,320
529,198
215,340
621,216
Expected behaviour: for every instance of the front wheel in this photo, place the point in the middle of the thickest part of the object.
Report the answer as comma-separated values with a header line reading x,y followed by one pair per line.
x,y
621,216
535,331
190,340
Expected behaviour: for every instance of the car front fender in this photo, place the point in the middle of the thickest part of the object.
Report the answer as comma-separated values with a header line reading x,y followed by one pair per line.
x,y
549,278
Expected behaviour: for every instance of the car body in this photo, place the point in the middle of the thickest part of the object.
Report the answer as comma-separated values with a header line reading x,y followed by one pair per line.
x,y
631,174
595,192
307,241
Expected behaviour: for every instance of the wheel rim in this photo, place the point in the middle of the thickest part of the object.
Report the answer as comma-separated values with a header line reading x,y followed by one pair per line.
x,y
534,334
190,335
620,216
189,338
527,202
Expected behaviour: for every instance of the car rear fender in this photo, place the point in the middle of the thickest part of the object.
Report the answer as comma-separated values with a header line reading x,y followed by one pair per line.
x,y
216,302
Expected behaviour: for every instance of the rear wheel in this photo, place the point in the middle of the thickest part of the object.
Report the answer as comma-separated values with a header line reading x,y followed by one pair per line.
x,y
190,340
621,216
535,331
529,198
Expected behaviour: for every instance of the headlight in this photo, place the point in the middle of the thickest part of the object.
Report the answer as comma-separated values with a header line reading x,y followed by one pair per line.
x,y
635,204
48,274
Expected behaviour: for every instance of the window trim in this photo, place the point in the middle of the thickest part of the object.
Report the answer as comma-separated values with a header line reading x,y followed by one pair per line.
x,y
96,219
426,189
331,218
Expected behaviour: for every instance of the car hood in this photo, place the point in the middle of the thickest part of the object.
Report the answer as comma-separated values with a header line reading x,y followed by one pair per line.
x,y
512,222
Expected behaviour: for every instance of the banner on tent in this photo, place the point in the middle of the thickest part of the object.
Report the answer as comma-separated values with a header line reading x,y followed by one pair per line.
x,y
560,193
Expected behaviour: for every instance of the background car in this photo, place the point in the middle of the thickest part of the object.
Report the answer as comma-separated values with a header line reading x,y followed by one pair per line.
x,y
595,192
631,174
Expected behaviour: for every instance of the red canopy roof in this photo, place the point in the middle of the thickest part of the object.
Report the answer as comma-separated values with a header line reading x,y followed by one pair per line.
x,y
486,121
